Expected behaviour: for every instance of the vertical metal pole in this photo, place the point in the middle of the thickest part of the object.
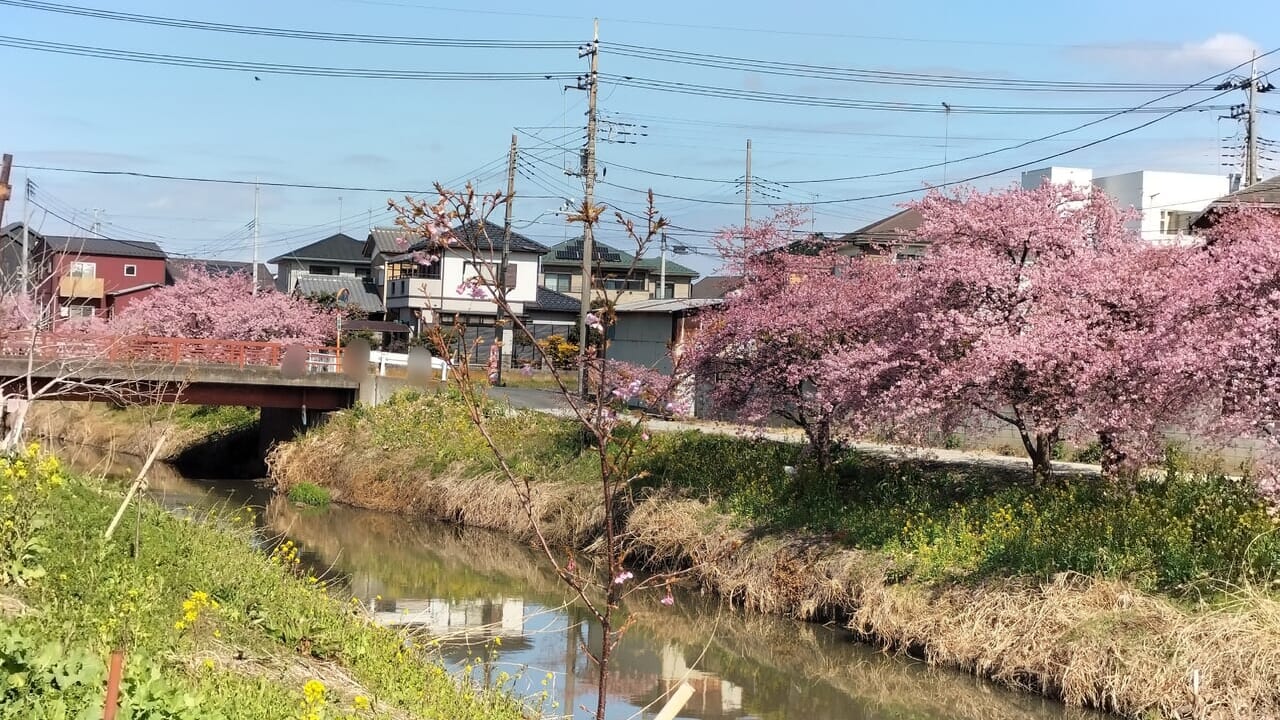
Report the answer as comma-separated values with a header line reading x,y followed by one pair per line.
x,y
1251,128
746,195
662,273
254,271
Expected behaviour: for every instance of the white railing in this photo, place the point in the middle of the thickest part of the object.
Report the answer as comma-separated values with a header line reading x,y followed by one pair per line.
x,y
383,359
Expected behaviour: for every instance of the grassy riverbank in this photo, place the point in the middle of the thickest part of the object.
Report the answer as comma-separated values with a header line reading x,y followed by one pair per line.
x,y
135,430
1152,603
211,626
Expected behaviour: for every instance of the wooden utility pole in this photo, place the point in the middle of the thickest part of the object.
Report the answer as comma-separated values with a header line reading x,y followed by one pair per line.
x,y
588,192
6,190
506,256
746,194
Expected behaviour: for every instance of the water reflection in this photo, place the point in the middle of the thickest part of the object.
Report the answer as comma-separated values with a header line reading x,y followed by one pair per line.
x,y
467,587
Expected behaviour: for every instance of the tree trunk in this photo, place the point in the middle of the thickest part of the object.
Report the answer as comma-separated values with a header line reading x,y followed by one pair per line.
x,y
1114,459
819,435
1042,457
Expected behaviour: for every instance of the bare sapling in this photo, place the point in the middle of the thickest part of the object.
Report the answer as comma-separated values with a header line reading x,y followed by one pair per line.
x,y
453,225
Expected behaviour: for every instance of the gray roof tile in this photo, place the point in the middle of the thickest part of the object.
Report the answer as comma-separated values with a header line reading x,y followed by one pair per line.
x,y
363,294
569,254
103,246
340,247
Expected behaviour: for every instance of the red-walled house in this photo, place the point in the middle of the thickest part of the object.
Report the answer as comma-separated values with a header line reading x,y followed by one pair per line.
x,y
101,277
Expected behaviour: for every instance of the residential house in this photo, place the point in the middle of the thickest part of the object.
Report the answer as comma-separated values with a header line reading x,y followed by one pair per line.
x,y
337,255
656,334
178,269
12,252
715,286
420,294
618,275
891,238
1265,194
100,276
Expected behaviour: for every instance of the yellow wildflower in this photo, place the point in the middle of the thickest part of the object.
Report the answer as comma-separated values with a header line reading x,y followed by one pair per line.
x,y
361,702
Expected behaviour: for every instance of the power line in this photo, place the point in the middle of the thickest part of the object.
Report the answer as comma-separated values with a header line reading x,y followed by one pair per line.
x,y
271,68
293,34
879,77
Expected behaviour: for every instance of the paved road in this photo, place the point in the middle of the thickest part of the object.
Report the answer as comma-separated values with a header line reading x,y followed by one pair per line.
x,y
552,403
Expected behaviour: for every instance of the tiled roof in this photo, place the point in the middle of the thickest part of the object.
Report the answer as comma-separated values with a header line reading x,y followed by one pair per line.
x,y
179,268
715,286
104,246
569,254
887,228
339,248
484,236
386,241
553,301
1265,194
364,294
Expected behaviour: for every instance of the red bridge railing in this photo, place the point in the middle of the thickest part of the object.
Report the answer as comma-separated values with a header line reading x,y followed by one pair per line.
x,y
237,353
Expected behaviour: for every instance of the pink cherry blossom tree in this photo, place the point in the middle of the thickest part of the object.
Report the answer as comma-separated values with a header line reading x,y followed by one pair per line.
x,y
813,337
1040,310
222,305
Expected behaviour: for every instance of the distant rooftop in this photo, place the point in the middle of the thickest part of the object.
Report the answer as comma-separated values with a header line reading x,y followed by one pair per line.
x,y
666,305
335,248
362,294
605,257
103,246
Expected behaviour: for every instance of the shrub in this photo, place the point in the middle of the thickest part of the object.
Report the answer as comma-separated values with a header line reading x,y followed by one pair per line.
x,y
309,494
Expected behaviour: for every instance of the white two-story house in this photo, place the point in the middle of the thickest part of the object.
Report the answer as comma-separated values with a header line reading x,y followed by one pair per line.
x,y
420,294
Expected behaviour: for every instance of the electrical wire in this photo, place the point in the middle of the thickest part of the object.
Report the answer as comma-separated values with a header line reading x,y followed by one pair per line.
x,y
878,77
293,34
272,68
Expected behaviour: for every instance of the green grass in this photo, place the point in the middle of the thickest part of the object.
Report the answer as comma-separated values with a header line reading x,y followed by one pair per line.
x,y
214,418
209,624
309,494
1173,531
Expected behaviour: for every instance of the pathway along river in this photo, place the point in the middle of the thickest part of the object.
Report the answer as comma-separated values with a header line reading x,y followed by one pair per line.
x,y
469,586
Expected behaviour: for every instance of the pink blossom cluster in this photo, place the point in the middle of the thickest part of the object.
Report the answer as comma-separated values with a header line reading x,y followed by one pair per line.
x,y
222,305
1037,308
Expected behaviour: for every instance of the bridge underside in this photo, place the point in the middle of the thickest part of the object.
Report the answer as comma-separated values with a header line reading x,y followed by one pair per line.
x,y
194,385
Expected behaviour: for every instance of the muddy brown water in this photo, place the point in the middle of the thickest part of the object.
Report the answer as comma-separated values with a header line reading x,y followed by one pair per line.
x,y
467,587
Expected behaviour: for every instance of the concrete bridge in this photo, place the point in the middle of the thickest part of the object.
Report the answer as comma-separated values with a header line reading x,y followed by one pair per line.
x,y
201,372
293,386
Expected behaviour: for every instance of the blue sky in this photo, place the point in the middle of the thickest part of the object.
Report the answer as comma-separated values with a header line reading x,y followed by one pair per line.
x,y
99,114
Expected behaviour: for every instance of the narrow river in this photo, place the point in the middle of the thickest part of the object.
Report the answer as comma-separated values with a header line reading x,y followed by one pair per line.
x,y
468,586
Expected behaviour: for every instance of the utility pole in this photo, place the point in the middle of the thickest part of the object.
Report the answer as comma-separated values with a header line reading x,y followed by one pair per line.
x,y
746,195
1253,85
253,271
26,236
506,255
339,213
662,273
1251,128
588,192
6,190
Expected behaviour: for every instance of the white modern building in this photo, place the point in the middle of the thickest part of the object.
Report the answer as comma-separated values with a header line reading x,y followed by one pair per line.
x,y
1166,201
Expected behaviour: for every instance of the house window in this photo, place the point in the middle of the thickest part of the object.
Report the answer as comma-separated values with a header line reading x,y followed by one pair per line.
x,y
83,269
130,270
1173,222
364,272
322,270
76,311
667,293
560,282
620,283
487,272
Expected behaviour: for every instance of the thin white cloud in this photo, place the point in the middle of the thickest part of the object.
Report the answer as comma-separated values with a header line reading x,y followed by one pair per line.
x,y
1216,52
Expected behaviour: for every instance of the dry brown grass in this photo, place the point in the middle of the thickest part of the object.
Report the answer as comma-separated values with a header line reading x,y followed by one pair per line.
x,y
99,425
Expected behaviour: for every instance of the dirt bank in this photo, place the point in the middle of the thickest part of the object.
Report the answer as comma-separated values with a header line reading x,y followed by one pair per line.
x,y
1089,642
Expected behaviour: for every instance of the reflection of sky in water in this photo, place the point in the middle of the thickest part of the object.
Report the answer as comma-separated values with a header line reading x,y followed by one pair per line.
x,y
466,587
